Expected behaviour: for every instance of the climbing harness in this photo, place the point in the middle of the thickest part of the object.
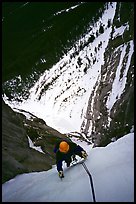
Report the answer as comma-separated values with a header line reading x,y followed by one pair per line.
x,y
91,180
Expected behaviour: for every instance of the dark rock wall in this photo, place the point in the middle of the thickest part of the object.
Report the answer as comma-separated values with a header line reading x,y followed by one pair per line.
x,y
17,156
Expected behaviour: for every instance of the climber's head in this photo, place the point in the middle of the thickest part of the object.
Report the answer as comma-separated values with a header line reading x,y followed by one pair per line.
x,y
64,147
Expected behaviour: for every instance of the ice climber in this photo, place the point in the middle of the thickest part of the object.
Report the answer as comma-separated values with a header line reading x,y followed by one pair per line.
x,y
66,151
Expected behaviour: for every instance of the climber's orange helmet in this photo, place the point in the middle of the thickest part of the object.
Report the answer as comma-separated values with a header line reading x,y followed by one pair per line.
x,y
64,147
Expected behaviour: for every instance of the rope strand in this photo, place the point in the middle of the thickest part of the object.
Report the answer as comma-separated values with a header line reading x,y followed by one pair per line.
x,y
91,180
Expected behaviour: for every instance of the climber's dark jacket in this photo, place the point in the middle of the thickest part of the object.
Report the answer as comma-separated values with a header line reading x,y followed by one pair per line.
x,y
74,149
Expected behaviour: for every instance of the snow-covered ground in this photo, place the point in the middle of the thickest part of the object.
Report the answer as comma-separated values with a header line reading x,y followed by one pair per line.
x,y
111,167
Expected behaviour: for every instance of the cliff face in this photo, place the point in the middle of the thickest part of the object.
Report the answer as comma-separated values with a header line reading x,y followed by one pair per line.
x,y
17,156
113,120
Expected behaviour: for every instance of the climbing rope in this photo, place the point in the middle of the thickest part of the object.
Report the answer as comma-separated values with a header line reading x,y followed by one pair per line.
x,y
91,180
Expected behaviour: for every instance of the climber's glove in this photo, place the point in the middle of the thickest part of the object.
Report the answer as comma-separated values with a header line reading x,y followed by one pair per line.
x,y
61,175
84,154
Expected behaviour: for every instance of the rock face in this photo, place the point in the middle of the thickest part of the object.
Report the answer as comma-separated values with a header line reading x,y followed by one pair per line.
x,y
17,156
117,54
